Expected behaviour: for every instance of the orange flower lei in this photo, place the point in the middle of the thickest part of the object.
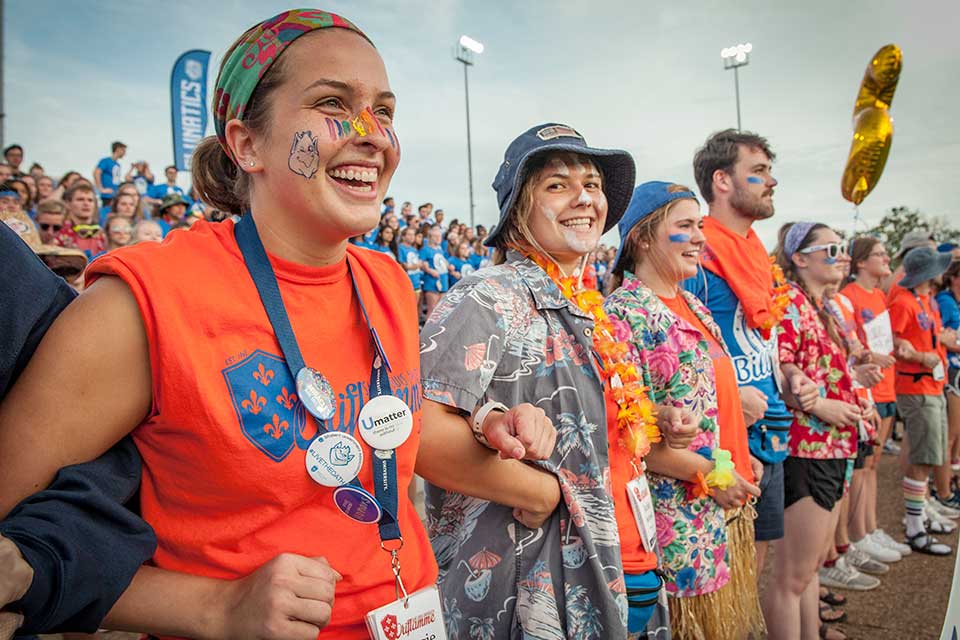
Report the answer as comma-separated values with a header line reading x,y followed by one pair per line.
x,y
636,419
781,296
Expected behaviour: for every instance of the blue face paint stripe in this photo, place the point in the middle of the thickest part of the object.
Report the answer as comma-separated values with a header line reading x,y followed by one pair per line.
x,y
679,237
754,180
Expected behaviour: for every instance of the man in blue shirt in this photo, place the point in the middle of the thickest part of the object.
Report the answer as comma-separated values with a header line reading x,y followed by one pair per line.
x,y
157,192
733,173
106,175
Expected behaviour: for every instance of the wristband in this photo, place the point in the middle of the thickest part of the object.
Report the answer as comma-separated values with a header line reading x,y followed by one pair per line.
x,y
476,423
722,475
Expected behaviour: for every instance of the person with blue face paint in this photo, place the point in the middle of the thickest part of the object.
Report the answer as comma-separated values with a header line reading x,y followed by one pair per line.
x,y
735,281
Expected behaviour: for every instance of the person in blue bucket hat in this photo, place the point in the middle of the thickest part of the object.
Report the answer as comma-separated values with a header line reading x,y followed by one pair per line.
x,y
509,345
706,539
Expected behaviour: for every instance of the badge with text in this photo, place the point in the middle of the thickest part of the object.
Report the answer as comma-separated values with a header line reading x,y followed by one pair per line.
x,y
357,504
385,422
938,372
638,491
334,459
419,618
316,393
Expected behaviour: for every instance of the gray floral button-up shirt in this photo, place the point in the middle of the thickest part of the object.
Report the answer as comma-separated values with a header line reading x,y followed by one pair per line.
x,y
507,334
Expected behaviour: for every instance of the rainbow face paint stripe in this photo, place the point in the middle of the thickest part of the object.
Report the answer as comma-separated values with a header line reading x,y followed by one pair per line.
x,y
754,180
679,237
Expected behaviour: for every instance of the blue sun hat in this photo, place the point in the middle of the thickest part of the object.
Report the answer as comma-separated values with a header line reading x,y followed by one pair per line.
x,y
619,171
647,198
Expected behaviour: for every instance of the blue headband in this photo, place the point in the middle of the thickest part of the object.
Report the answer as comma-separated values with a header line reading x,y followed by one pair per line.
x,y
795,236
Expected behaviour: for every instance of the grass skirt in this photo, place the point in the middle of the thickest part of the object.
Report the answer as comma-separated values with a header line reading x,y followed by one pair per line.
x,y
733,611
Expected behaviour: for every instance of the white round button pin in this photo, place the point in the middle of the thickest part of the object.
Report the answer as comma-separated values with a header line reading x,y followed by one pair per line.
x,y
334,459
385,422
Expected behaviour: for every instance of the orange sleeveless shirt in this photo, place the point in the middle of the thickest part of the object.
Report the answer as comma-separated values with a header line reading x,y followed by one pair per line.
x,y
224,481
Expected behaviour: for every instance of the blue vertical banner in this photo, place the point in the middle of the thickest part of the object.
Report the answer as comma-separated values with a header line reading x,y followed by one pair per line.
x,y
188,105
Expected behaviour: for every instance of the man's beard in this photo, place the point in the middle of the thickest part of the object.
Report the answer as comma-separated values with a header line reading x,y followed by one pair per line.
x,y
750,205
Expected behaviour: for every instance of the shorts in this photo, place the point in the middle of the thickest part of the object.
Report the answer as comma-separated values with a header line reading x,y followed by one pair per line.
x,y
925,423
769,522
887,409
864,451
953,382
822,480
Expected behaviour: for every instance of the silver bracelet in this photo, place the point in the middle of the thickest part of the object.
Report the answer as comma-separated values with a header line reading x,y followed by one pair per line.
x,y
476,422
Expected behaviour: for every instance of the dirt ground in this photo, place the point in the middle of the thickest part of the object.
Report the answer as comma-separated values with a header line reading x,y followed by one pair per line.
x,y
908,605
912,600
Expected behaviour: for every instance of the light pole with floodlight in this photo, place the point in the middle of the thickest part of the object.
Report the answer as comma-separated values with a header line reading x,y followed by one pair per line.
x,y
466,48
734,58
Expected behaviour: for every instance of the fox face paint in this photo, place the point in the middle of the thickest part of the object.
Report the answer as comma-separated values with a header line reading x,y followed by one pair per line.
x,y
304,157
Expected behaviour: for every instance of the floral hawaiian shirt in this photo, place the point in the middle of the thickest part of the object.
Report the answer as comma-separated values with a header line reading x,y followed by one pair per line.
x,y
804,342
507,334
674,360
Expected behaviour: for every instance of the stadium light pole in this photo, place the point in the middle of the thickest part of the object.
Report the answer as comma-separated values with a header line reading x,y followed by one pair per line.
x,y
733,58
465,51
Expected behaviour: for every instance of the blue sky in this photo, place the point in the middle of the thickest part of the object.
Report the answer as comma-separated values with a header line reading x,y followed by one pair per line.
x,y
642,76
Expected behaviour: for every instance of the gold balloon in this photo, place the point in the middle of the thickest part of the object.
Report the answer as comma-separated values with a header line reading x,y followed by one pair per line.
x,y
880,79
872,125
872,134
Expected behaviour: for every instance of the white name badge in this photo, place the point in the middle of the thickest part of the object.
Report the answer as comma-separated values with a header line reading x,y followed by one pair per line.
x,y
420,618
334,459
879,335
385,422
638,491
938,372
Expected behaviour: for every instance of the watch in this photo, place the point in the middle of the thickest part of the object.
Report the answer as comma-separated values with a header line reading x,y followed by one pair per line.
x,y
476,421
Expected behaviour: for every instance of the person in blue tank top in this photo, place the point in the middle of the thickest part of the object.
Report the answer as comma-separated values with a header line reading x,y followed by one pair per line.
x,y
460,266
385,242
434,265
409,258
735,282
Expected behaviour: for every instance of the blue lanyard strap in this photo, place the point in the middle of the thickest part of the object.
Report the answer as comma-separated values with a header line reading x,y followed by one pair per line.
x,y
261,272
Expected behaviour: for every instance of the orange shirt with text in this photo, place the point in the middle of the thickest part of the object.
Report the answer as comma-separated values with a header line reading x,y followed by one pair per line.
x,y
914,319
224,480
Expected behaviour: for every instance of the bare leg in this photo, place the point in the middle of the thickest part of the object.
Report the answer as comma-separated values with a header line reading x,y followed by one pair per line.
x,y
433,298
953,422
761,546
798,555
858,500
842,536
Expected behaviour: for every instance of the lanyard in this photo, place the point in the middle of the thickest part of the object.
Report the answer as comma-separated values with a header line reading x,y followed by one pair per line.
x,y
384,465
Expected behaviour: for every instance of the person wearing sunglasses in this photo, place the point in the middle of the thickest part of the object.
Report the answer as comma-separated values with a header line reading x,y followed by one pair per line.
x,y
81,230
823,433
50,215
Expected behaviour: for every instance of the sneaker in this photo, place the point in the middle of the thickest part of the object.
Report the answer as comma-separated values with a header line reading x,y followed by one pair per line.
x,y
843,576
953,501
942,509
936,523
864,563
892,448
881,537
877,551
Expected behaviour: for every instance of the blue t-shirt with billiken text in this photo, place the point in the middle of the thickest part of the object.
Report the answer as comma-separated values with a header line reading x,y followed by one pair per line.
x,y
410,257
109,176
755,360
434,257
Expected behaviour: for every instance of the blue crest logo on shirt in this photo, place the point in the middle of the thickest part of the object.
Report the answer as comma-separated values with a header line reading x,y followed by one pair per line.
x,y
264,397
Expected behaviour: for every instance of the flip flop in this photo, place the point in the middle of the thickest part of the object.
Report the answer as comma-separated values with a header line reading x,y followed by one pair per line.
x,y
837,634
830,615
923,542
831,598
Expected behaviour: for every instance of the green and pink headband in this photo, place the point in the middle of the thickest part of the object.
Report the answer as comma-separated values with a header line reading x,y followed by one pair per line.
x,y
259,49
